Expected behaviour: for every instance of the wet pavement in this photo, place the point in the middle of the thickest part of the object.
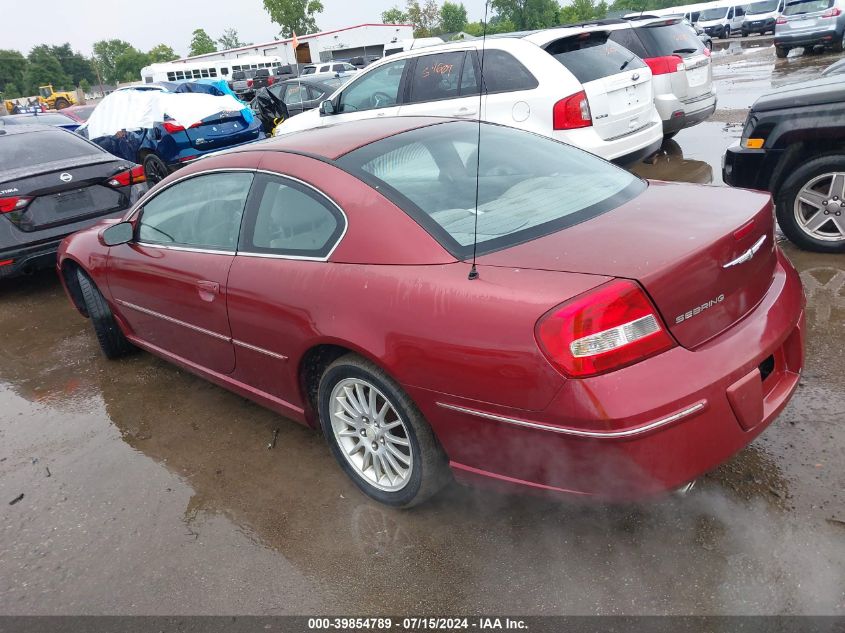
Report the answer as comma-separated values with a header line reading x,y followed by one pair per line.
x,y
149,491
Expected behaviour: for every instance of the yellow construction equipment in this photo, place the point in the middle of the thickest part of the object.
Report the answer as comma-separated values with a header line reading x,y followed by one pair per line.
x,y
55,100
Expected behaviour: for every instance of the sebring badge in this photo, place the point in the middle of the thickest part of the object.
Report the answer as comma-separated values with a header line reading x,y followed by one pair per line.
x,y
699,309
65,177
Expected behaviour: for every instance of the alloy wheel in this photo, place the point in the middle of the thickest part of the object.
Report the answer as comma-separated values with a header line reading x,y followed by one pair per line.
x,y
371,434
820,207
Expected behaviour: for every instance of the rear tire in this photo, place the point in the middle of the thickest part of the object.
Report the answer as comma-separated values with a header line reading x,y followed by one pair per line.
x,y
839,46
112,341
781,52
367,434
62,103
823,239
726,33
155,169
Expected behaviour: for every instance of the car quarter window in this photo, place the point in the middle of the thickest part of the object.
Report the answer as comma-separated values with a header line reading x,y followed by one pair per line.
x,y
200,212
378,88
503,73
288,218
436,77
630,40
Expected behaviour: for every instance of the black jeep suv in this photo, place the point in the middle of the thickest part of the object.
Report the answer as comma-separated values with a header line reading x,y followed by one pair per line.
x,y
793,145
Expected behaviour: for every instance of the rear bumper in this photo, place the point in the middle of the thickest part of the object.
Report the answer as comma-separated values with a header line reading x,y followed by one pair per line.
x,y
622,150
822,37
685,114
640,154
27,260
612,437
192,154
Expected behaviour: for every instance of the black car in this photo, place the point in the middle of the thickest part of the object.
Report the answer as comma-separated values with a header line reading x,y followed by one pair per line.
x,y
304,94
53,183
793,145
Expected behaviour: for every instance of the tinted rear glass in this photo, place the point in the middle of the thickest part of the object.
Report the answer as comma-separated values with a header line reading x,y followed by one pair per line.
x,y
529,185
807,6
672,39
34,148
593,57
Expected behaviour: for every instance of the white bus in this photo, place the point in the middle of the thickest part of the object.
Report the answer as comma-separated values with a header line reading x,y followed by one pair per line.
x,y
689,11
211,69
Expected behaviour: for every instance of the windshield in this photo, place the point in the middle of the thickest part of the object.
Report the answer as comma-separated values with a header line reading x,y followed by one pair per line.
x,y
29,149
529,185
762,7
713,14
807,6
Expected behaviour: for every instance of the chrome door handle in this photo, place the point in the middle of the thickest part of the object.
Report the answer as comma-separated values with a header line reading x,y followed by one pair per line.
x,y
208,290
465,112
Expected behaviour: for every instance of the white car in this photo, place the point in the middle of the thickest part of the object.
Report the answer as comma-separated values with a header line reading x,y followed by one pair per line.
x,y
330,69
586,91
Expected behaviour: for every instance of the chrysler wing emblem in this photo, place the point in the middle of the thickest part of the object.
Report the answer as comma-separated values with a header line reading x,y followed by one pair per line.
x,y
748,255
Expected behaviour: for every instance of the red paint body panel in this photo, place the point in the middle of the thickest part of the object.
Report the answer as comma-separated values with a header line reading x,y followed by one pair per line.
x,y
674,239
391,293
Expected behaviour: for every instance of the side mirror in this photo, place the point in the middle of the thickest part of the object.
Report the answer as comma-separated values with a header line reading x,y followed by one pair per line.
x,y
118,234
327,108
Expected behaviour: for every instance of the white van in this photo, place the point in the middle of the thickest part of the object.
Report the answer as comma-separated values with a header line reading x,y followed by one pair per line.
x,y
566,84
761,17
722,20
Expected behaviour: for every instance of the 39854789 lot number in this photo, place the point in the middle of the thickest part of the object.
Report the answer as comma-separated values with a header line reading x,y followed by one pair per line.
x,y
387,624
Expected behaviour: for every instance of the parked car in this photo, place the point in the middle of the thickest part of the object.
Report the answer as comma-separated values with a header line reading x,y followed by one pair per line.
x,y
760,17
613,377
563,83
722,21
680,64
54,119
362,62
305,93
241,83
286,71
79,113
53,183
793,145
163,130
809,23
706,40
329,69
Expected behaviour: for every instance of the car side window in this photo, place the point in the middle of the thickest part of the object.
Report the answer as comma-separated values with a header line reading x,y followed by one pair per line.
x,y
436,77
289,218
378,88
469,76
201,212
503,73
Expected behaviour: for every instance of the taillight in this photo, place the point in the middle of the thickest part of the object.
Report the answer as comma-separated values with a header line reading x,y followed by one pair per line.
x,y
780,20
128,177
271,81
707,52
572,113
664,65
605,329
249,83
14,203
832,12
171,127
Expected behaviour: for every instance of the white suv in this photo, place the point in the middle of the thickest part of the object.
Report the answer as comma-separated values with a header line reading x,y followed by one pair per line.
x,y
563,83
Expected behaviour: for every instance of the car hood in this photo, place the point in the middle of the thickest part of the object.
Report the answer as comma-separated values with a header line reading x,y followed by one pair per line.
x,y
685,244
809,93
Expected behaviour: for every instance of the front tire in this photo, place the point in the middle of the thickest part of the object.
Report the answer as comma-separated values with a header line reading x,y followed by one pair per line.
x,y
155,169
726,32
781,52
112,341
810,205
377,434
62,103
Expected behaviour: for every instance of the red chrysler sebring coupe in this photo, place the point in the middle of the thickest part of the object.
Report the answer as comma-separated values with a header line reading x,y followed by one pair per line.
x,y
617,338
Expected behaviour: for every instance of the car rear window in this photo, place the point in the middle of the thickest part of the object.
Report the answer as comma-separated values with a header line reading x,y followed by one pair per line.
x,y
593,57
529,185
31,148
670,39
807,6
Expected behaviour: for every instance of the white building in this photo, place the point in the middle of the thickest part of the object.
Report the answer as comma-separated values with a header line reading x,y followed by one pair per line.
x,y
354,41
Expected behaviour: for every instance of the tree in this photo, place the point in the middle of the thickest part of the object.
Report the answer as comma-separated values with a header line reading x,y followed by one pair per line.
x,y
76,66
201,43
161,53
527,14
424,17
581,11
12,68
294,16
230,39
85,86
11,91
106,53
44,68
395,16
453,17
128,65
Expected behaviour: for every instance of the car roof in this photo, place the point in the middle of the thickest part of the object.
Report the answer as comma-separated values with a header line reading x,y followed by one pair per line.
x,y
333,141
29,128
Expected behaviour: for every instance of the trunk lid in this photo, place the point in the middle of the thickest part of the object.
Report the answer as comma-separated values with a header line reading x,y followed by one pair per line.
x,y
219,130
65,194
687,245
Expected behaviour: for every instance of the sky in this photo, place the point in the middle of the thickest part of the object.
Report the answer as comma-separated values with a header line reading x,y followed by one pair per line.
x,y
146,23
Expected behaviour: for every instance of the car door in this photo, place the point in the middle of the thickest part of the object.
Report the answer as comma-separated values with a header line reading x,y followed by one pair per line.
x,y
374,93
738,18
169,283
289,231
443,84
